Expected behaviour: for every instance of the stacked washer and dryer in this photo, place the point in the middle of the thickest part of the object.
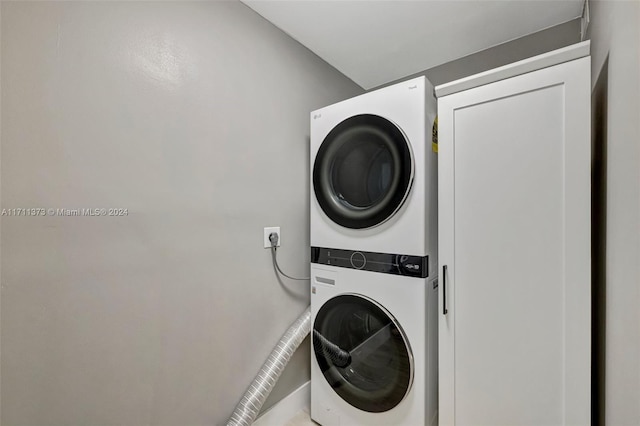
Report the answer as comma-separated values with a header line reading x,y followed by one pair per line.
x,y
374,259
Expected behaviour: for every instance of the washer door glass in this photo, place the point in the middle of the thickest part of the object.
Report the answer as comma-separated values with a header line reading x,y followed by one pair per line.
x,y
363,353
363,171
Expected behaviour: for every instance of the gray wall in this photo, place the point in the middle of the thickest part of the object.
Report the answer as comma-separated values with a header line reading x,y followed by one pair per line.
x,y
506,53
615,55
502,54
194,117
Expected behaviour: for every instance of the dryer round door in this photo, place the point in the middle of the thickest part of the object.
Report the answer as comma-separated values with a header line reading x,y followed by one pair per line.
x,y
363,171
363,353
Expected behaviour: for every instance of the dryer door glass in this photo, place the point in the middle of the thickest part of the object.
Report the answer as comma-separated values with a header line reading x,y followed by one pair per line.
x,y
363,171
363,353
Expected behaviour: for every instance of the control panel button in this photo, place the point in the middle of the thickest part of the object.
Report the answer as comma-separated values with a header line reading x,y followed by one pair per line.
x,y
358,261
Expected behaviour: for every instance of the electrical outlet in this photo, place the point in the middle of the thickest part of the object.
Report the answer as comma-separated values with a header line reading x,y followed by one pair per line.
x,y
267,232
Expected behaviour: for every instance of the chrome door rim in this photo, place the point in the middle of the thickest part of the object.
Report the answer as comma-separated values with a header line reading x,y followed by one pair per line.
x,y
344,213
405,341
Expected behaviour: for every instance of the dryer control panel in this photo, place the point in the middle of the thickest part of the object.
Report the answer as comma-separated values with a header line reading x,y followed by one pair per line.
x,y
387,263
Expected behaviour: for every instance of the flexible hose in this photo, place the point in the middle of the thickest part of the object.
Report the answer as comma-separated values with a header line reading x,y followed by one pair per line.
x,y
275,264
249,406
338,356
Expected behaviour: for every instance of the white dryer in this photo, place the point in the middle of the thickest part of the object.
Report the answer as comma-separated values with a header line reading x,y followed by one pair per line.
x,y
374,357
373,251
374,174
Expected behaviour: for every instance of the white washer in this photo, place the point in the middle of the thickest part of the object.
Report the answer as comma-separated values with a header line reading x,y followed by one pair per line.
x,y
374,357
374,173
373,251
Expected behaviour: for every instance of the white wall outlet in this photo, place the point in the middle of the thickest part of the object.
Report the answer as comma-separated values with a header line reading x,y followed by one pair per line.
x,y
267,232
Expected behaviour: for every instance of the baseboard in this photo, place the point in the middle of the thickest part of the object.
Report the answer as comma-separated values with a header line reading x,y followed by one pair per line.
x,y
288,407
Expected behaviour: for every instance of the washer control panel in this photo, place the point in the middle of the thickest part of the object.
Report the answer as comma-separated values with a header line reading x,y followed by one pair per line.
x,y
387,263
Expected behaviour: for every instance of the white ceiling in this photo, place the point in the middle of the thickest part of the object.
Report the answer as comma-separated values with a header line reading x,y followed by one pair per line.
x,y
375,42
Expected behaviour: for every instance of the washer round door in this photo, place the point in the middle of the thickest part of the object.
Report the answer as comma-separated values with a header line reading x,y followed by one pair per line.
x,y
363,353
363,171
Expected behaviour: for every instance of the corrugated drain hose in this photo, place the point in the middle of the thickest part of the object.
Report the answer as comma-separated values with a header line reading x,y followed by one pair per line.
x,y
249,406
338,356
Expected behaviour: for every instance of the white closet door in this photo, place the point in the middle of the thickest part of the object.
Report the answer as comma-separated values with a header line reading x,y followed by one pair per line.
x,y
514,234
